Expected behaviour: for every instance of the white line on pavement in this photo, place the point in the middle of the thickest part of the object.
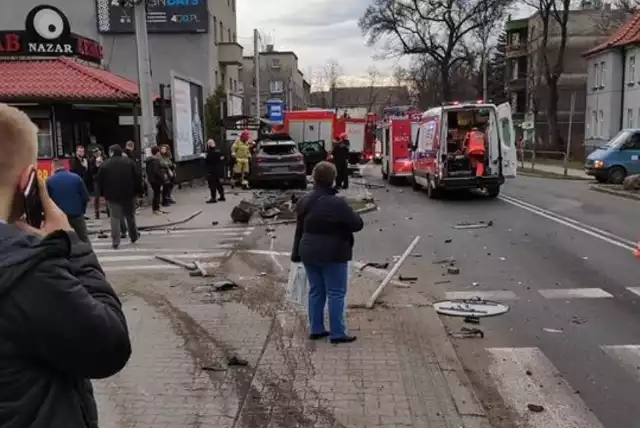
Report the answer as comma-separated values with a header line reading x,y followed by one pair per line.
x,y
628,356
186,251
485,295
574,224
545,387
132,258
573,293
229,230
634,290
115,269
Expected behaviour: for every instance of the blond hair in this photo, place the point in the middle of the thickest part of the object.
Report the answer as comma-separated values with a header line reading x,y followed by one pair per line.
x,y
18,142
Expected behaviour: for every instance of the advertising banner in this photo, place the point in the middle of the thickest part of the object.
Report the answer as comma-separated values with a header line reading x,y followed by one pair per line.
x,y
163,16
188,127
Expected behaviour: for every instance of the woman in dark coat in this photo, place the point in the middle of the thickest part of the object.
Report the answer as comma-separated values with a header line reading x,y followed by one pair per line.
x,y
324,244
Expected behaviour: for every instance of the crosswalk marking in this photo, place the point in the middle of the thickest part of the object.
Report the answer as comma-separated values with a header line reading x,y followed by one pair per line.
x,y
137,250
113,269
628,356
135,258
572,293
525,376
485,295
634,290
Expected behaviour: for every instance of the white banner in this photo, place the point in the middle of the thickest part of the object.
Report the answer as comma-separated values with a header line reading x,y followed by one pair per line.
x,y
188,111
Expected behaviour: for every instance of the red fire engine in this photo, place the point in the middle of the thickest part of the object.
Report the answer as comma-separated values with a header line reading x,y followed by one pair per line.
x,y
395,135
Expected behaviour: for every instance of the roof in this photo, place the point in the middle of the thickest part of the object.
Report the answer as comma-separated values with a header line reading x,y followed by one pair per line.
x,y
627,34
62,79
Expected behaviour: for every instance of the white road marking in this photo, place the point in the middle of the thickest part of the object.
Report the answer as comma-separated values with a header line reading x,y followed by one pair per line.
x,y
563,408
485,295
575,293
274,257
634,290
603,235
628,356
115,269
234,230
266,252
135,258
124,249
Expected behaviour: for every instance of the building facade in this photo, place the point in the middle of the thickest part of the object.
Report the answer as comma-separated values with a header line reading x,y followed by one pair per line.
x,y
613,87
280,79
367,99
197,41
525,86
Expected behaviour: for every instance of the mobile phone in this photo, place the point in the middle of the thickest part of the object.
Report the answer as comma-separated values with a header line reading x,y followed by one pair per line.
x,y
32,203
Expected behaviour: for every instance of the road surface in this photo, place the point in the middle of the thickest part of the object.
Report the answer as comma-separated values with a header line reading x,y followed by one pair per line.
x,y
560,256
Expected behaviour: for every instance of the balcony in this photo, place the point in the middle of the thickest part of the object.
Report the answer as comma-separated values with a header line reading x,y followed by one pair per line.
x,y
230,54
513,51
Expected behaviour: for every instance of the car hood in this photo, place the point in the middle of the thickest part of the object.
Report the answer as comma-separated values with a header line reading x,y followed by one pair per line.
x,y
598,154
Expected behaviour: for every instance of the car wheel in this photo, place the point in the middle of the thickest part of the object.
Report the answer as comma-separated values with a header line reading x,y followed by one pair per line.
x,y
493,191
414,184
617,175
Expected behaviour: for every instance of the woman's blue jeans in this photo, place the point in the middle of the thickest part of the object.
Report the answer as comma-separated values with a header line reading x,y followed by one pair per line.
x,y
327,282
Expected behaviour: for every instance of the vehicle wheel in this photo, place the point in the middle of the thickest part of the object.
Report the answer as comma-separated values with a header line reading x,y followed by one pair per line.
x,y
414,184
617,175
493,191
432,192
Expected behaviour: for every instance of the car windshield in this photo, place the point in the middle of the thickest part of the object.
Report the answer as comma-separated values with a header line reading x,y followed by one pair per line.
x,y
278,149
618,140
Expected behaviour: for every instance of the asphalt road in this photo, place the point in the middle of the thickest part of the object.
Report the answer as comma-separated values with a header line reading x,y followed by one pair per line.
x,y
560,256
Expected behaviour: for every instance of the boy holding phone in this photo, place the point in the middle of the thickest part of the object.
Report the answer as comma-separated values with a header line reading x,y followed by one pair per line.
x,y
61,322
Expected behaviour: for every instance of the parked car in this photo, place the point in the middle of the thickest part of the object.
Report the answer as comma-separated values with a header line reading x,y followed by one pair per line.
x,y
277,160
617,159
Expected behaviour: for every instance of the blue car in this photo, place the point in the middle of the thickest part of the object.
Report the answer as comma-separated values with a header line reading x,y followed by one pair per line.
x,y
618,159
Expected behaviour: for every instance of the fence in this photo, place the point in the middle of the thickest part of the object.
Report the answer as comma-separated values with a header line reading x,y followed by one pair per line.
x,y
547,157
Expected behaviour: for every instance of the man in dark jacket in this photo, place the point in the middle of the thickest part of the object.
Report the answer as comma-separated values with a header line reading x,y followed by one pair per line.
x,y
61,322
119,182
340,156
69,192
215,169
155,177
80,164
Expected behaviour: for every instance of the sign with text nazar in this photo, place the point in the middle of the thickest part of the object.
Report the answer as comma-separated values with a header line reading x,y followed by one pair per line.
x,y
47,33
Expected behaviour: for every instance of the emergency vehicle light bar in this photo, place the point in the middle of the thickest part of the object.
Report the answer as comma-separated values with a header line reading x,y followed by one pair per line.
x,y
455,103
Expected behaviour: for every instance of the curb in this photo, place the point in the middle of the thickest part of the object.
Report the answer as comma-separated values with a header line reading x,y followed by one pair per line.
x,y
620,193
552,175
153,226
367,209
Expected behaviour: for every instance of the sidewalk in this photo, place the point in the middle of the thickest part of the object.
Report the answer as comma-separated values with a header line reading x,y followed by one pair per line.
x,y
401,372
553,169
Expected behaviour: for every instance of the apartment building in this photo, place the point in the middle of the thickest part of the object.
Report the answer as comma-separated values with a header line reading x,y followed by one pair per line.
x,y
613,87
196,39
525,75
280,79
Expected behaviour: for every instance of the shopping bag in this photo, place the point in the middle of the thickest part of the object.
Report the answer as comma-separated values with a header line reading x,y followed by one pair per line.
x,y
298,285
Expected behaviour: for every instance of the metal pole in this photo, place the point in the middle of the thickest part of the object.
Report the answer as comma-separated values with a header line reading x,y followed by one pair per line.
x,y
256,66
568,148
144,78
485,70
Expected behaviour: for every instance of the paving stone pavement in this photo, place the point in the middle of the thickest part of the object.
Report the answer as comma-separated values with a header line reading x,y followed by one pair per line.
x,y
183,334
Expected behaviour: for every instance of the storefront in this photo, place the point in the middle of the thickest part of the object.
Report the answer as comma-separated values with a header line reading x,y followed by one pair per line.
x,y
55,76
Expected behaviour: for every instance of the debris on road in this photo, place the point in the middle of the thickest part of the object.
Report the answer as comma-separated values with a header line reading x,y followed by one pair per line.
x,y
200,269
243,212
448,260
552,330
237,361
631,182
407,278
213,369
578,320
453,270
448,241
478,225
529,373
468,333
375,265
188,266
446,281
224,285
214,223
536,408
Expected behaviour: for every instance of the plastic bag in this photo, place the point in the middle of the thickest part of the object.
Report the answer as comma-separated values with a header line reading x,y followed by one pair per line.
x,y
298,285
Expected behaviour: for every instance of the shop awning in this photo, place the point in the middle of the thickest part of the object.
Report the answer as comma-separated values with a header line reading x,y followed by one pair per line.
x,y
62,79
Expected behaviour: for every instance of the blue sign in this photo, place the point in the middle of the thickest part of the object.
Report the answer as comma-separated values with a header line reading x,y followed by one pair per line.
x,y
275,110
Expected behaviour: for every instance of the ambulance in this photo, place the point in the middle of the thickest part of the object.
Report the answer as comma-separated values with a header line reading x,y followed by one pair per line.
x,y
438,159
395,135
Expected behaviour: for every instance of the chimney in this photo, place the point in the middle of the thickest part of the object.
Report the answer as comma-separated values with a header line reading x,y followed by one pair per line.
x,y
269,48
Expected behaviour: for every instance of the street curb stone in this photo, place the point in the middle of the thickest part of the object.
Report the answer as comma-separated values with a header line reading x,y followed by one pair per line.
x,y
620,193
551,176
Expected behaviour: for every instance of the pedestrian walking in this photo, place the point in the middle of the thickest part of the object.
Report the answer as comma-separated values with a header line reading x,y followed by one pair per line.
x,y
340,156
215,169
323,242
169,171
70,194
120,184
61,321
155,178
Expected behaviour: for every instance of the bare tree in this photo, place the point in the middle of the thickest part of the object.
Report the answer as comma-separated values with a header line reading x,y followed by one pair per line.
x,y
486,22
332,75
435,28
373,81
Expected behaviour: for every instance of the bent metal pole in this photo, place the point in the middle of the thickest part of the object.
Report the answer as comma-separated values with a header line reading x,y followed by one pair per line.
x,y
392,272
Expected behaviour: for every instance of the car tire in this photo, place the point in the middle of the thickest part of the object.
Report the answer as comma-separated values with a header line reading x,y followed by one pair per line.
x,y
493,191
414,184
617,175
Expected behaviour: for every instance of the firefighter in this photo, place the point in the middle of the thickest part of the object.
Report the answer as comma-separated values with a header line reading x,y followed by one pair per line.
x,y
474,146
340,156
241,153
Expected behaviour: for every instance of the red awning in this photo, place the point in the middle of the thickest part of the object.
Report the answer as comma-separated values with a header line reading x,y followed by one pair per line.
x,y
627,34
62,79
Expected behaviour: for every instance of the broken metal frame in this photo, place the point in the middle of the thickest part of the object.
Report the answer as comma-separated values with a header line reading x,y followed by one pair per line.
x,y
470,316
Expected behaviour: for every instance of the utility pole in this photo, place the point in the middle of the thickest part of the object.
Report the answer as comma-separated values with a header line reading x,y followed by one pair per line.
x,y
485,67
256,67
144,77
568,148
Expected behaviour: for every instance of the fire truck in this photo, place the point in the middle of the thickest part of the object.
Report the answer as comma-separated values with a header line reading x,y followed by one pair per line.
x,y
395,135
439,158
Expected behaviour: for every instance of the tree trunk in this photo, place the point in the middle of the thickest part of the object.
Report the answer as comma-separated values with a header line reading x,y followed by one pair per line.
x,y
445,82
552,112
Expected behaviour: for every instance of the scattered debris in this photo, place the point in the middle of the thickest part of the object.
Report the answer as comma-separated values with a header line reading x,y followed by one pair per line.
x,y
552,330
188,266
478,225
448,241
271,228
503,258
213,369
536,408
243,212
448,260
578,320
446,281
237,361
453,270
102,235
416,255
407,278
475,284
224,285
528,373
200,269
375,265
467,333
214,223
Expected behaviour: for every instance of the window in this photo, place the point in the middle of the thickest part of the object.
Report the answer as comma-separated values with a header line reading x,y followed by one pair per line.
x,y
276,86
275,63
230,84
596,75
515,39
229,36
514,101
221,32
216,77
638,119
215,30
594,123
632,69
505,124
514,69
601,124
235,39
233,5
629,118
633,143
603,74
45,140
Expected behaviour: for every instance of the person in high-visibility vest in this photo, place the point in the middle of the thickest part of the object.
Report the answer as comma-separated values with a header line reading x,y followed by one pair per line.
x,y
474,146
241,152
